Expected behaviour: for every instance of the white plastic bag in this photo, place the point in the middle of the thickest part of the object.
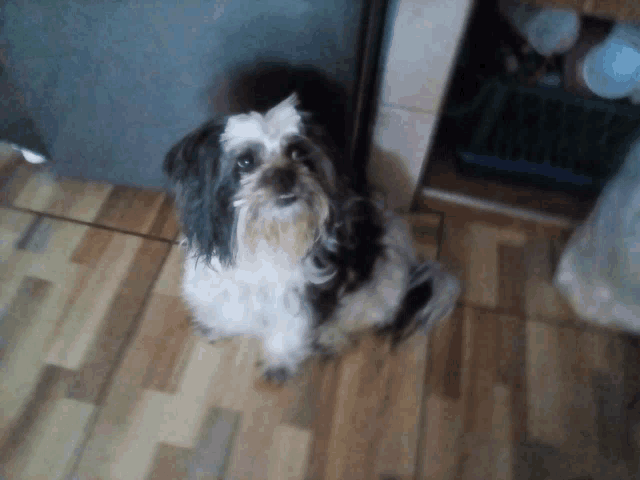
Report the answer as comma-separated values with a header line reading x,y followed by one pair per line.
x,y
599,271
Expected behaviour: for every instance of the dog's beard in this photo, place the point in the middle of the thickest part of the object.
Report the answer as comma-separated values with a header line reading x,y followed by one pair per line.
x,y
292,230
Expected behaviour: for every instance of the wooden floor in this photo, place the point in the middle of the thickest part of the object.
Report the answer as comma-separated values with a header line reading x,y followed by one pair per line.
x,y
101,378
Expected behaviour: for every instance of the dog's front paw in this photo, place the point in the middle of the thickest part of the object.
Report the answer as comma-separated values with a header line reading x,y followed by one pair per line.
x,y
276,375
207,333
331,340
323,351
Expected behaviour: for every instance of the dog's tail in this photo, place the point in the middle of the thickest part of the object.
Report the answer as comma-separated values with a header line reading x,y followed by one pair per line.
x,y
430,299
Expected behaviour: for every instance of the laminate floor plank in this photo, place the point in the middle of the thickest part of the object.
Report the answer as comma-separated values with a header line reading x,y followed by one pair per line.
x,y
103,377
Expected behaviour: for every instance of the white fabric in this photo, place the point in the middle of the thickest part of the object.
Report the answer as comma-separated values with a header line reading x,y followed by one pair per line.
x,y
599,271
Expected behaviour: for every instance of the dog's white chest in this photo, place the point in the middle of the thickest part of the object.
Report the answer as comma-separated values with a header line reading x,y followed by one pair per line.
x,y
255,298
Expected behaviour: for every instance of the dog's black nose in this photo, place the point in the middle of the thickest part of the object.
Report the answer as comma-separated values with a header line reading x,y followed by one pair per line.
x,y
282,180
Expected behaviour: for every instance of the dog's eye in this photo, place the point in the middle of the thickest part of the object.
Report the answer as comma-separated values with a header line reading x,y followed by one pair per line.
x,y
246,162
308,162
301,153
297,151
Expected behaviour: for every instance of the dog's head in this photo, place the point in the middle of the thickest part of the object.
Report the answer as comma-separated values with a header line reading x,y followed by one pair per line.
x,y
254,181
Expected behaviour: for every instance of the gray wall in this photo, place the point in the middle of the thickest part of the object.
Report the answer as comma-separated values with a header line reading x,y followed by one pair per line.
x,y
110,86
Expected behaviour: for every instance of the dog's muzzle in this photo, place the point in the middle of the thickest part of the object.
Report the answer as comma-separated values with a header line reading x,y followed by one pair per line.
x,y
282,180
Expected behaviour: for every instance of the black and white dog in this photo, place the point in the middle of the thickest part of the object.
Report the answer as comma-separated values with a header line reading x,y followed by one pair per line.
x,y
278,247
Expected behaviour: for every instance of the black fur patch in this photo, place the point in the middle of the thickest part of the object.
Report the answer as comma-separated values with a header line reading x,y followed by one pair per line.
x,y
407,319
405,322
357,229
204,192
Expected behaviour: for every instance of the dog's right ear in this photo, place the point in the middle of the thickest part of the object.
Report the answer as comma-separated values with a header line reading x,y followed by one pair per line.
x,y
184,161
193,166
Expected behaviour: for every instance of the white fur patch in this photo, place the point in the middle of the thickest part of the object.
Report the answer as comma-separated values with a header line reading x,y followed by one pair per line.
x,y
269,129
260,296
